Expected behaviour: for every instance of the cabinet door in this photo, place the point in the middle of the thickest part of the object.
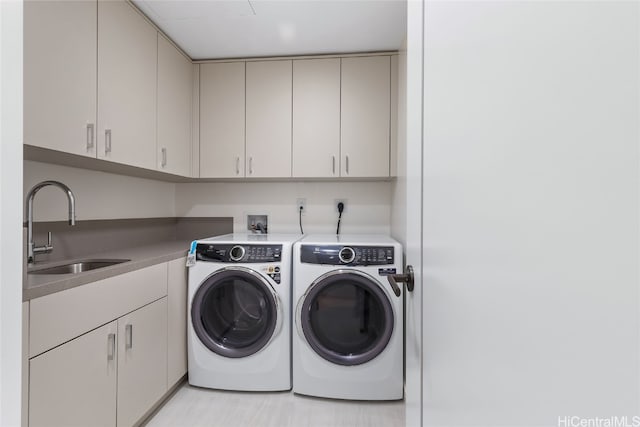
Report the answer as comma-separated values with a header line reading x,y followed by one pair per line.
x,y
365,111
175,89
60,75
268,119
177,336
75,384
316,118
62,316
222,116
142,360
127,60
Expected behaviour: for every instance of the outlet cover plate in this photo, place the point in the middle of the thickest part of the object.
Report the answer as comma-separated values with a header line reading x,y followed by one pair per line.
x,y
301,202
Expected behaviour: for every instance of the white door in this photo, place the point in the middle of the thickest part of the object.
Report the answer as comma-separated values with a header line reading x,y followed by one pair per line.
x,y
530,213
410,109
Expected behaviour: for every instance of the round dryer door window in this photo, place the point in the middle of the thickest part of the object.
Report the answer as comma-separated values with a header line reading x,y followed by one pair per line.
x,y
346,317
235,312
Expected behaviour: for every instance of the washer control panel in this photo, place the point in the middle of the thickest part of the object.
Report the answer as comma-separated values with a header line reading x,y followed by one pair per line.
x,y
347,255
231,253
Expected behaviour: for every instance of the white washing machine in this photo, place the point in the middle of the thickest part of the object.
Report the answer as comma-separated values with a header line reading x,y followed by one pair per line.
x,y
348,337
239,308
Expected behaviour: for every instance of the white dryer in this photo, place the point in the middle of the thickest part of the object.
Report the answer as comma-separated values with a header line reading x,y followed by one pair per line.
x,y
348,337
239,309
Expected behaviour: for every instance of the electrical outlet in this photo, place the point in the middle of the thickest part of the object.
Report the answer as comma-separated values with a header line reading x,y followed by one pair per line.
x,y
343,201
301,203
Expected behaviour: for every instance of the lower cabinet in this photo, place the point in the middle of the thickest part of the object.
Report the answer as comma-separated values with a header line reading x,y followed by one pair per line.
x,y
111,366
142,361
117,368
75,384
177,339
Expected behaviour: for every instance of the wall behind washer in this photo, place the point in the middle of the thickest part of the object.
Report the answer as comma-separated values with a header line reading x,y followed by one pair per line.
x,y
368,207
99,195
399,187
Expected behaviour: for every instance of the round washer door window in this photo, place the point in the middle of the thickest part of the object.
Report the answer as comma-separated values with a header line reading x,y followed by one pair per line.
x,y
346,317
235,312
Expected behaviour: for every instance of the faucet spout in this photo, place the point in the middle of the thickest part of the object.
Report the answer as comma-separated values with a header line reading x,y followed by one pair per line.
x,y
32,249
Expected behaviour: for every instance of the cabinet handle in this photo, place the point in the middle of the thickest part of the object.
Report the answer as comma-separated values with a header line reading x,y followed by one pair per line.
x,y
90,136
111,346
107,141
128,336
346,166
237,165
164,157
333,163
250,165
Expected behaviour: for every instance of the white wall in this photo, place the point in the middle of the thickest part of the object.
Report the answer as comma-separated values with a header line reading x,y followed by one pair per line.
x,y
10,211
367,209
399,186
531,213
99,195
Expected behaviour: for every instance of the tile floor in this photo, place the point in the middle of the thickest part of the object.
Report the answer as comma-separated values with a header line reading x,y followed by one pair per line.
x,y
193,406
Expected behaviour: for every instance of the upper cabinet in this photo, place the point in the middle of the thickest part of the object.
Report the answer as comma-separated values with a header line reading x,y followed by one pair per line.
x,y
60,75
268,119
101,82
366,111
316,118
222,120
127,60
175,99
301,118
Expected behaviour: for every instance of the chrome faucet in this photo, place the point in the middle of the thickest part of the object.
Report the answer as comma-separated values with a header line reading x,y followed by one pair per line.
x,y
32,249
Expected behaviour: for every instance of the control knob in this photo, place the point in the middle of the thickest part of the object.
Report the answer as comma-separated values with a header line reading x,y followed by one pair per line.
x,y
236,253
347,255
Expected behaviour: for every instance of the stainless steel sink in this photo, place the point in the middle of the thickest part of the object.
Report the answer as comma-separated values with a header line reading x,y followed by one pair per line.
x,y
79,267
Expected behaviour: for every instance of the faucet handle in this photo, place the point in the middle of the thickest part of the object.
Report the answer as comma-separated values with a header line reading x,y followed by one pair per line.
x,y
46,248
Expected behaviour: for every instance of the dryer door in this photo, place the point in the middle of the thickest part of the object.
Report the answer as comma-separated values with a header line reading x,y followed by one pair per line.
x,y
235,312
346,317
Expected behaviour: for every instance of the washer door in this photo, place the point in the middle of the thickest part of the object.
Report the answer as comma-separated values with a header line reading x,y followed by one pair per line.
x,y
346,317
235,312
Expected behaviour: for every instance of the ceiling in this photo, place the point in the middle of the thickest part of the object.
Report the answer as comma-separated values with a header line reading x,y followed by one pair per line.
x,y
213,29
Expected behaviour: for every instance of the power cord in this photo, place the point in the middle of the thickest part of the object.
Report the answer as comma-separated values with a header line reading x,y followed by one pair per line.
x,y
261,228
300,217
340,209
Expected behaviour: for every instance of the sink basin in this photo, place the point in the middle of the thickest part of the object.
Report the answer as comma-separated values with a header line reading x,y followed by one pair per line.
x,y
80,266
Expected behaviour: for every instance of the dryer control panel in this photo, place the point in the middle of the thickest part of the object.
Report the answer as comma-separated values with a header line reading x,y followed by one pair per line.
x,y
347,255
231,253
